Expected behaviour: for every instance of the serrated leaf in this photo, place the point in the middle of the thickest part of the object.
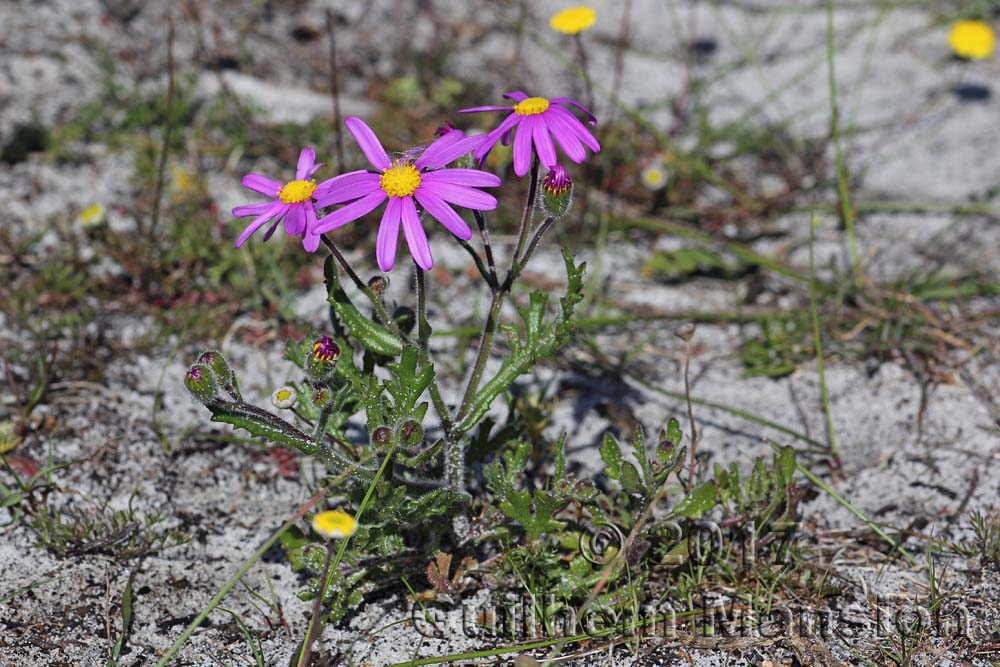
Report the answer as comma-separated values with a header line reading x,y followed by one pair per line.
x,y
701,499
611,454
674,433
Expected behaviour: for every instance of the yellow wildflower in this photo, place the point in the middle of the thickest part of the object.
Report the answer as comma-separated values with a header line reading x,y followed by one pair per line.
x,y
974,40
334,523
574,20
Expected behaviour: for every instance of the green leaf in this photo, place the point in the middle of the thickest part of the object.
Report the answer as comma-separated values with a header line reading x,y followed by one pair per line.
x,y
611,454
785,460
116,652
699,501
674,433
372,336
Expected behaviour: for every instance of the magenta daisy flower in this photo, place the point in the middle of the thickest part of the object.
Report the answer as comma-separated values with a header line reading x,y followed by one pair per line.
x,y
539,120
291,202
405,182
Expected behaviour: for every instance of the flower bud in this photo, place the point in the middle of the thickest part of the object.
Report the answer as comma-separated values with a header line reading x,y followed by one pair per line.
x,y
382,436
685,332
218,365
322,397
557,192
284,398
201,383
322,359
411,433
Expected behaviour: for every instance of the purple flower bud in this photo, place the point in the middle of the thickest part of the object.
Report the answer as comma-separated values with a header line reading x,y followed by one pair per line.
x,y
200,382
322,361
325,350
557,192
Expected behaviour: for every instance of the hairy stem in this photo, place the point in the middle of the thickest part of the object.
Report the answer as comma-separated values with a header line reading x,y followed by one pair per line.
x,y
484,232
423,338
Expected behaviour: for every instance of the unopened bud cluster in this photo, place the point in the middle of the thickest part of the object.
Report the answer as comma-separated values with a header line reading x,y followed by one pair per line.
x,y
210,375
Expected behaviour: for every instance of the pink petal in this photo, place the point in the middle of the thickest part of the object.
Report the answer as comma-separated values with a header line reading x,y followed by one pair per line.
x,y
543,144
346,187
566,136
491,138
307,160
310,239
272,229
369,143
388,234
591,118
443,213
446,150
275,209
516,95
462,196
261,184
415,236
575,126
295,221
522,145
488,107
251,209
352,211
469,177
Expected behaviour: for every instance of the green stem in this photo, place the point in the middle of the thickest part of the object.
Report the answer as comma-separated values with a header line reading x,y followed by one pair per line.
x,y
842,189
367,291
831,433
314,631
522,234
423,338
235,579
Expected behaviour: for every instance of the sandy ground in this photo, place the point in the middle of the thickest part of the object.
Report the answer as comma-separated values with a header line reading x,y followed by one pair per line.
x,y
915,461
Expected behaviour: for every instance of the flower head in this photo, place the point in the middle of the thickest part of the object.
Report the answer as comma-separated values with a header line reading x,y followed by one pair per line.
x,y
574,20
974,40
322,360
405,182
538,120
334,523
557,192
283,398
654,175
292,202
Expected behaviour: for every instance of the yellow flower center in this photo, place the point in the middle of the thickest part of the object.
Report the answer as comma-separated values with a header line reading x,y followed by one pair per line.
x,y
283,394
334,523
400,180
296,192
531,106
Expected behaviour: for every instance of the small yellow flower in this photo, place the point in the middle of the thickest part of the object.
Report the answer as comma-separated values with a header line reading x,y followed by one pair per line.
x,y
93,215
574,20
334,523
974,40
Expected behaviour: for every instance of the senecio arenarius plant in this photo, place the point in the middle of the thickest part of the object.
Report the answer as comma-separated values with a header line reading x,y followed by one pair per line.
x,y
411,466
